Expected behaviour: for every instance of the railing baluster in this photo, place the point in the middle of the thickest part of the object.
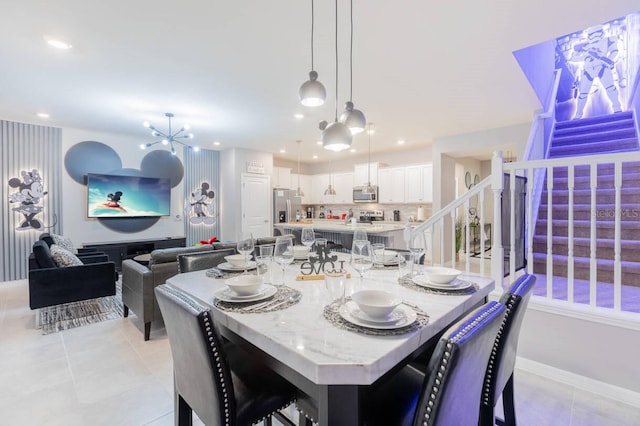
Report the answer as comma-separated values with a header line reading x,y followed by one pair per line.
x,y
453,238
441,241
593,262
549,232
617,249
512,224
570,262
467,234
481,209
530,226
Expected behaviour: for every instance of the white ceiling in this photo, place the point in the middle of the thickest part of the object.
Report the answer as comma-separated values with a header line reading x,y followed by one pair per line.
x,y
232,69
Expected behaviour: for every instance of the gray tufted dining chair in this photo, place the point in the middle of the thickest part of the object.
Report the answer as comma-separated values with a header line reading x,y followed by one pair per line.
x,y
499,374
217,379
449,393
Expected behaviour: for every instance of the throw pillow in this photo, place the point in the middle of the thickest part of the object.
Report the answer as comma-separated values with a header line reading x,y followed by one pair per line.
x,y
64,242
64,257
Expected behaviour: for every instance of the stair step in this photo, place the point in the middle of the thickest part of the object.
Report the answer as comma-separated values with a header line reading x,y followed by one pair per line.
x,y
603,169
628,212
582,268
592,148
629,249
582,228
607,118
583,196
584,128
629,180
594,136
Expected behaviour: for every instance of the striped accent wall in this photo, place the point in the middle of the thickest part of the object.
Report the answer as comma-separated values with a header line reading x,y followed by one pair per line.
x,y
27,147
202,166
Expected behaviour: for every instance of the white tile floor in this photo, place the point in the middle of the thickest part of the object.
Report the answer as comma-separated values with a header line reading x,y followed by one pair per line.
x,y
106,374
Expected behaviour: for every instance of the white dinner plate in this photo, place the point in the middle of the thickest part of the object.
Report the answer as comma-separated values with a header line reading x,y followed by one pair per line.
x,y
393,262
394,317
423,281
226,266
228,295
405,316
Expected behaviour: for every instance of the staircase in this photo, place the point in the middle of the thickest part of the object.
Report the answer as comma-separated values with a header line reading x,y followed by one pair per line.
x,y
592,136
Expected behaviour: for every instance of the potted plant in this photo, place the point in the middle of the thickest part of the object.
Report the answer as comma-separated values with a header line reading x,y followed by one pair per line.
x,y
458,238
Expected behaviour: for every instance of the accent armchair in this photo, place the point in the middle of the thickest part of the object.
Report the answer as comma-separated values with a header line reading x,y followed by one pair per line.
x,y
50,284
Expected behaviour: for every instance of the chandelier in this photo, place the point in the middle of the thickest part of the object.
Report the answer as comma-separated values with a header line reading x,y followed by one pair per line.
x,y
169,138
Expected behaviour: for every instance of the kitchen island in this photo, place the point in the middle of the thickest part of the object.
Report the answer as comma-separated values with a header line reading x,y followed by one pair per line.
x,y
388,233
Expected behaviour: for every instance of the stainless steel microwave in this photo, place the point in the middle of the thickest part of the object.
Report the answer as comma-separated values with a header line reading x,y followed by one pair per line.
x,y
359,196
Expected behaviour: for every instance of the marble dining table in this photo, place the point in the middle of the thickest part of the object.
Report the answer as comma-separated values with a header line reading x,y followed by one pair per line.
x,y
330,364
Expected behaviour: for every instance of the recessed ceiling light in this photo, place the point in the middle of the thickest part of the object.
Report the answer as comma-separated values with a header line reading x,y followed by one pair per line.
x,y
282,151
401,142
216,143
352,150
298,116
319,143
315,157
58,44
43,115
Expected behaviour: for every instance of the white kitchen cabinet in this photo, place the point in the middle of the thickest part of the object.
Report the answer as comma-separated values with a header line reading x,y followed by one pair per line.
x,y
418,183
360,176
391,185
305,185
281,177
343,183
319,184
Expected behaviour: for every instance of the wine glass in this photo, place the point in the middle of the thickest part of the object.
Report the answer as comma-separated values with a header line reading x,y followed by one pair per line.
x,y
283,254
359,238
362,258
308,237
245,247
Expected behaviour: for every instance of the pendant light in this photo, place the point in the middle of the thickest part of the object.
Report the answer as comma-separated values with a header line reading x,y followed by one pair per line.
x,y
354,119
330,189
312,93
299,191
369,189
335,136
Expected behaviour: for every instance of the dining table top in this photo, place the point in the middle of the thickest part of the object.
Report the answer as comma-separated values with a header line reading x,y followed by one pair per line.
x,y
302,338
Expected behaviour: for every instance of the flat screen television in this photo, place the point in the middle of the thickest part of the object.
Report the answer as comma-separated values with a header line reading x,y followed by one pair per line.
x,y
127,196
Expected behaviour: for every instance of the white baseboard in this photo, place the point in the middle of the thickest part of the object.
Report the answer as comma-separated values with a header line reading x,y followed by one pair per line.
x,y
606,390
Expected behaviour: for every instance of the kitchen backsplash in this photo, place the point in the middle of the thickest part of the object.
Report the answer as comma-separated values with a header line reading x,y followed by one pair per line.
x,y
406,211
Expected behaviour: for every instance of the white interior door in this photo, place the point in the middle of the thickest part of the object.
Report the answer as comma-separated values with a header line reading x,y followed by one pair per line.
x,y
256,205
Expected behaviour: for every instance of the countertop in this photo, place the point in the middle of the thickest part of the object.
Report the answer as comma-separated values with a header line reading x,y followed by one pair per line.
x,y
339,226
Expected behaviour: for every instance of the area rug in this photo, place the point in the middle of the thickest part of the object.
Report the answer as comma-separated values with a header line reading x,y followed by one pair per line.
x,y
77,314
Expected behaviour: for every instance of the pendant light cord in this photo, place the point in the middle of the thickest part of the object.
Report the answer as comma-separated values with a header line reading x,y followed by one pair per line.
x,y
312,26
336,118
369,168
351,58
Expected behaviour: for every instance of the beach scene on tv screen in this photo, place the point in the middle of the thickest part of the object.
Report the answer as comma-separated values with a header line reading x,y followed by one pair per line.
x,y
128,196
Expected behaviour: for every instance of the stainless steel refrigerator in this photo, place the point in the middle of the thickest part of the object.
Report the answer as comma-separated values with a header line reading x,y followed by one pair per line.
x,y
285,205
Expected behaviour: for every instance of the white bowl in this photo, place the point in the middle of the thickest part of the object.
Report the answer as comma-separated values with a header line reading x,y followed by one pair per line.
x,y
244,285
440,275
237,260
377,304
300,251
385,255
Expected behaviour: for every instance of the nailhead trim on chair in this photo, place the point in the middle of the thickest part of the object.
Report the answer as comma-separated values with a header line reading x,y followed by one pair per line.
x,y
494,351
447,355
208,326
